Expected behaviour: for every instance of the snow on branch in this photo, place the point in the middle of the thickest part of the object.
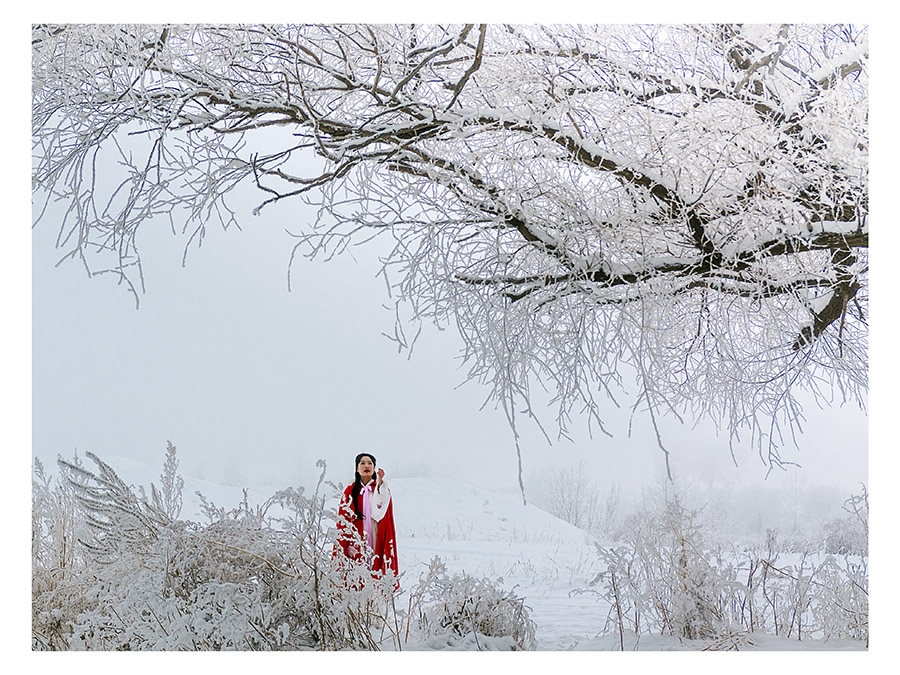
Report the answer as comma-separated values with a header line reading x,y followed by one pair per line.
x,y
673,201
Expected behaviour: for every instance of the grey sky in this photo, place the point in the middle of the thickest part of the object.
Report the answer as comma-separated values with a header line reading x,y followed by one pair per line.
x,y
253,383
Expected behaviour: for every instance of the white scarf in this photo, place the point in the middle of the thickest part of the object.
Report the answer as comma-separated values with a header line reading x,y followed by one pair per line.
x,y
368,530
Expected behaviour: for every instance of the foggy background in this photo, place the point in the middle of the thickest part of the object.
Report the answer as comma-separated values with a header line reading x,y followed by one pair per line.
x,y
253,383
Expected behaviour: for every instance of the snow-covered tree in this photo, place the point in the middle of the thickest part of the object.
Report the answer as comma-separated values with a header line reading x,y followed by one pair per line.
x,y
681,206
571,493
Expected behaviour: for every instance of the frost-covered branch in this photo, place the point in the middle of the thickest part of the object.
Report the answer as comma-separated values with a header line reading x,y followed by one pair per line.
x,y
685,203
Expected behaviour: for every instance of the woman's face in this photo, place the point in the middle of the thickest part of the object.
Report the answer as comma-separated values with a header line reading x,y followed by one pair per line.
x,y
365,468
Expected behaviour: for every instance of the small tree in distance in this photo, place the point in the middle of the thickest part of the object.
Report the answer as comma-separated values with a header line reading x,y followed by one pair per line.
x,y
681,210
572,494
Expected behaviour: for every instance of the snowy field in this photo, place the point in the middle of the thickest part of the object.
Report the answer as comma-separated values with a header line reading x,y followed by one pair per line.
x,y
545,561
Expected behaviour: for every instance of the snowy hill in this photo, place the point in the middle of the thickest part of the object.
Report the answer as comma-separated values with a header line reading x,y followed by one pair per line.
x,y
453,510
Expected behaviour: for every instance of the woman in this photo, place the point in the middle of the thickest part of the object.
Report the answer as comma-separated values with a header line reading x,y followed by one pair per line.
x,y
366,523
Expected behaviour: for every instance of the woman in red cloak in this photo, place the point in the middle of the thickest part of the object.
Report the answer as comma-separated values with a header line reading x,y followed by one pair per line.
x,y
366,523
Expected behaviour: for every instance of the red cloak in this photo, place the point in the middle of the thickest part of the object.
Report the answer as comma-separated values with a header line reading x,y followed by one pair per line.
x,y
385,553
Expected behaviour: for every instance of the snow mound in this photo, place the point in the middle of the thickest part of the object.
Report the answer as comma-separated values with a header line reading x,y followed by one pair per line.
x,y
453,510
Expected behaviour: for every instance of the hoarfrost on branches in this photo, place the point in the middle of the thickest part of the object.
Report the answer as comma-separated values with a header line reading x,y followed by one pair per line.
x,y
678,209
666,576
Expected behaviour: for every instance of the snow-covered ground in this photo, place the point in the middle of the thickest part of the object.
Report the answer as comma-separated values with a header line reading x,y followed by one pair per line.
x,y
546,561
537,555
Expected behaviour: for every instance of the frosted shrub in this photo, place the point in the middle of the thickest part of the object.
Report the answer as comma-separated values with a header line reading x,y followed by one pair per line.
x,y
56,560
816,599
54,520
461,605
850,534
842,606
662,577
246,580
667,578
844,536
114,569
117,519
231,585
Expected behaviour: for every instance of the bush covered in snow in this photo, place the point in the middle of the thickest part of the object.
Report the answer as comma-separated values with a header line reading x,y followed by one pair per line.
x,y
245,580
114,569
465,605
667,577
58,585
850,534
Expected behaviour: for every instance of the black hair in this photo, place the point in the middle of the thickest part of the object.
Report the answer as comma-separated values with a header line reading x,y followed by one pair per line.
x,y
357,482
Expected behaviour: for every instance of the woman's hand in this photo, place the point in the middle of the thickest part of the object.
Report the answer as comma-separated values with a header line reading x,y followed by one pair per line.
x,y
380,478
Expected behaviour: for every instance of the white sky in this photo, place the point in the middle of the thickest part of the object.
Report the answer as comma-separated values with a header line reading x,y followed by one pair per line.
x,y
254,383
